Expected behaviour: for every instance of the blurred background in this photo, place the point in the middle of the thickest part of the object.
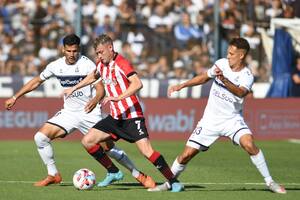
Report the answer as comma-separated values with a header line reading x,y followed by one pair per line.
x,y
164,39
167,41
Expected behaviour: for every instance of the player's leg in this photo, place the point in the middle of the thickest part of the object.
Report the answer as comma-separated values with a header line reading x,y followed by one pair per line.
x,y
88,120
58,126
245,140
159,162
121,157
43,140
91,143
200,140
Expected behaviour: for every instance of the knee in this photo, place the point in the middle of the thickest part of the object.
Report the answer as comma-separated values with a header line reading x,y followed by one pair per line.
x,y
250,147
41,140
87,142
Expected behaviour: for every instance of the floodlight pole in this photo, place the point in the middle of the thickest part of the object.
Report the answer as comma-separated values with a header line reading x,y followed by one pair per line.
x,y
217,30
77,22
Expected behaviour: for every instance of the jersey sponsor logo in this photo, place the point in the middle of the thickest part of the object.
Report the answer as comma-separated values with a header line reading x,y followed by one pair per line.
x,y
222,96
69,81
76,94
109,81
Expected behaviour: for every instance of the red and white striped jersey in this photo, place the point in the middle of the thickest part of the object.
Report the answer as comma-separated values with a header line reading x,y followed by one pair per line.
x,y
114,76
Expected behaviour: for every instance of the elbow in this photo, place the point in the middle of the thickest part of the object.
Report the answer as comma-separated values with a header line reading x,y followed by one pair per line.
x,y
242,94
140,86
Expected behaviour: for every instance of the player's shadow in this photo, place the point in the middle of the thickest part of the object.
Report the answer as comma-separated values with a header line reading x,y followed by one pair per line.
x,y
135,186
65,184
190,187
243,189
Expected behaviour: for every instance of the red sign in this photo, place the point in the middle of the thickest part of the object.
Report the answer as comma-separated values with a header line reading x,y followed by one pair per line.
x,y
166,118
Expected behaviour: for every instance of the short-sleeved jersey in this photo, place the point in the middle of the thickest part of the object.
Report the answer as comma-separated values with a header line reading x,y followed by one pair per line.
x,y
115,79
70,75
222,104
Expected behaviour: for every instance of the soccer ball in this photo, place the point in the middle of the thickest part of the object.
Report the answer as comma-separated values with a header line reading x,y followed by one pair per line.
x,y
84,179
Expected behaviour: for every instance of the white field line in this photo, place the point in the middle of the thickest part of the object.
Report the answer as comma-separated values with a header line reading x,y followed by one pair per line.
x,y
186,183
295,141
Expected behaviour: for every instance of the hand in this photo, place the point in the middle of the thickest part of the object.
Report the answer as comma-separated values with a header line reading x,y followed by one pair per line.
x,y
9,103
218,71
173,88
67,92
90,105
107,99
219,74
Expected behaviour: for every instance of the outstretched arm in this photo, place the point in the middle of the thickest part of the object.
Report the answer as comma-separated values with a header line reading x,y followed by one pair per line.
x,y
28,87
197,80
89,79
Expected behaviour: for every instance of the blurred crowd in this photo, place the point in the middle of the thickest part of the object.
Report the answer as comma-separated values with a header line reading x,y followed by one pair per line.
x,y
162,38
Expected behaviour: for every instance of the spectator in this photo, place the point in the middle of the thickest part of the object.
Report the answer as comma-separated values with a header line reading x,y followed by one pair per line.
x,y
136,39
147,9
185,31
14,63
48,50
105,27
275,10
160,69
179,70
162,25
296,79
128,53
198,68
106,7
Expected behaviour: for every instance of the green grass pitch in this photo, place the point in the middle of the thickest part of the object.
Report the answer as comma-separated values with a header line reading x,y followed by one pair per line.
x,y
225,172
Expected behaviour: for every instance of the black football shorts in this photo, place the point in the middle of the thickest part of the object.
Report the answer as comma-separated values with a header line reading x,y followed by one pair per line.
x,y
130,130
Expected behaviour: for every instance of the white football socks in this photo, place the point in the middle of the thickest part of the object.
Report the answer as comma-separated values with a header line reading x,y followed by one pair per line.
x,y
46,152
259,161
121,157
177,168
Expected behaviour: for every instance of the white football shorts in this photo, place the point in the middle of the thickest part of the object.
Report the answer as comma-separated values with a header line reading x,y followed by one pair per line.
x,y
70,120
233,128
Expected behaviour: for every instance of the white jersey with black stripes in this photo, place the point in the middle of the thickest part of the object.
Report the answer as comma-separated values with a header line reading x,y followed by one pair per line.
x,y
70,75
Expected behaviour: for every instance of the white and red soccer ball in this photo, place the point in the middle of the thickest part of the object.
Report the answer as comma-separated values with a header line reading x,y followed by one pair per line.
x,y
84,179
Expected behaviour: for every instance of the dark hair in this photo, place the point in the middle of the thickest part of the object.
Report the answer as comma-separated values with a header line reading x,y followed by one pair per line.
x,y
71,39
102,39
240,43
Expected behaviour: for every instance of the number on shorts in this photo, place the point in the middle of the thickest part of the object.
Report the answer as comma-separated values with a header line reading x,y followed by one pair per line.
x,y
138,125
197,131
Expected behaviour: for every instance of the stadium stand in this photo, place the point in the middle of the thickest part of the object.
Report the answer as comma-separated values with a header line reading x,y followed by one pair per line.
x,y
150,33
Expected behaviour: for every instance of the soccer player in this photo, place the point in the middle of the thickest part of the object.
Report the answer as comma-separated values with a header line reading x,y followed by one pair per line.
x,y
223,113
126,119
81,111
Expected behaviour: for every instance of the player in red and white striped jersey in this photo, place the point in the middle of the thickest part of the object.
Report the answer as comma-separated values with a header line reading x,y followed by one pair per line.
x,y
114,76
126,118
81,111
